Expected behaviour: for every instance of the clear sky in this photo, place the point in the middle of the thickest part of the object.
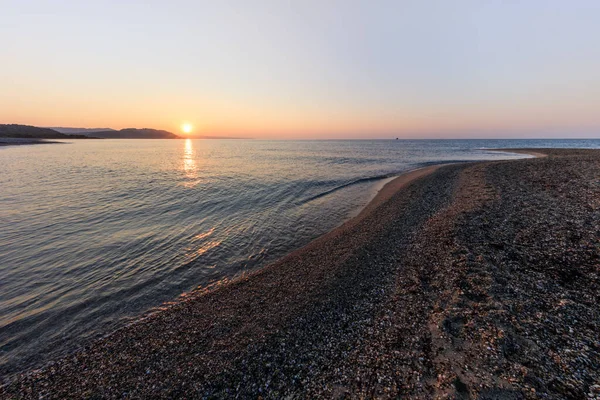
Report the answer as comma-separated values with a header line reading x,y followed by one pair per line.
x,y
311,69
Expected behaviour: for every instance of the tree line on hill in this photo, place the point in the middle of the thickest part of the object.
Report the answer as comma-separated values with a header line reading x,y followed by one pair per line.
x,y
34,132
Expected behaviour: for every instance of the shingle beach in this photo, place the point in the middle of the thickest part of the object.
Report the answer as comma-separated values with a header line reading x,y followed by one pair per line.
x,y
477,280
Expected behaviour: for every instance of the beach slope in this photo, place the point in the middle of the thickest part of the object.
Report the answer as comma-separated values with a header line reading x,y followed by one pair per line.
x,y
467,281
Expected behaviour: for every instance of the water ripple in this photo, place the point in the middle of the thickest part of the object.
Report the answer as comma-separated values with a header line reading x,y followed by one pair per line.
x,y
95,233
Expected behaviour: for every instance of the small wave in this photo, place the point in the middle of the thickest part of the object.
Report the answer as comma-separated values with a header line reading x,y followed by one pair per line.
x,y
377,178
345,185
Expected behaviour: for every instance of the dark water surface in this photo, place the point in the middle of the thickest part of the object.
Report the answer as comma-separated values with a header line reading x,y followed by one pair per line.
x,y
96,232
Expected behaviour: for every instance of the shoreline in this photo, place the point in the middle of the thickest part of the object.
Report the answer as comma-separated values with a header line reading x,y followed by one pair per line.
x,y
390,188
25,142
532,152
321,320
394,185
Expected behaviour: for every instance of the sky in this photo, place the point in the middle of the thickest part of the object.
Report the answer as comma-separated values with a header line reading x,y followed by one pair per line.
x,y
305,69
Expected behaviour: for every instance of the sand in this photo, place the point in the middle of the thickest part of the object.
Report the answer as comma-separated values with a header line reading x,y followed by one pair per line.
x,y
472,280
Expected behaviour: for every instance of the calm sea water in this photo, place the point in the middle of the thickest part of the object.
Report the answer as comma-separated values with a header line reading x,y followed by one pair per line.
x,y
94,233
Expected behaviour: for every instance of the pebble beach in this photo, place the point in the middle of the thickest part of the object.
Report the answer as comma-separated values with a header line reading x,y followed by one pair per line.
x,y
474,280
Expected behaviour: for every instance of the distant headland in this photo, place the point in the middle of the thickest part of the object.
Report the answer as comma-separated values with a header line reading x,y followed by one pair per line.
x,y
33,132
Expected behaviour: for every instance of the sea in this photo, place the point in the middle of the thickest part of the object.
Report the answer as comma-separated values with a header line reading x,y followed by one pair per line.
x,y
96,233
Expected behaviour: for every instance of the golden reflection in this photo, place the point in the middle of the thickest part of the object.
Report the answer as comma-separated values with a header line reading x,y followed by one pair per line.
x,y
206,247
192,254
190,168
203,235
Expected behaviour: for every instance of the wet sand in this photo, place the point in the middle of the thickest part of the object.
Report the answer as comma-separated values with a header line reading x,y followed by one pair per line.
x,y
463,281
531,152
392,187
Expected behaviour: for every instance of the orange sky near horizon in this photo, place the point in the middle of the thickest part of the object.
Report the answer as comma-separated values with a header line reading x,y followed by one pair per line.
x,y
447,121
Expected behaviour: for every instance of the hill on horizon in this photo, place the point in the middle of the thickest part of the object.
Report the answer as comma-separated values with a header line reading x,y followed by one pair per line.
x,y
33,132
134,133
79,131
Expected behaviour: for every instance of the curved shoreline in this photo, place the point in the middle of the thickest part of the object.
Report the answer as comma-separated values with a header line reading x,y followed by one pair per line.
x,y
245,318
396,183
394,186
262,301
389,189
535,154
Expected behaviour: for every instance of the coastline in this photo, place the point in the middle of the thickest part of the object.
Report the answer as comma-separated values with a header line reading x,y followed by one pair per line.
x,y
394,185
319,322
389,189
531,152
5,142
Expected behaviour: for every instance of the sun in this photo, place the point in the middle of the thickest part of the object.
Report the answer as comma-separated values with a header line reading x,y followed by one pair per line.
x,y
187,128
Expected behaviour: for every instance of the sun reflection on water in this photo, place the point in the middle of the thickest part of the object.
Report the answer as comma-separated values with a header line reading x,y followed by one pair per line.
x,y
190,168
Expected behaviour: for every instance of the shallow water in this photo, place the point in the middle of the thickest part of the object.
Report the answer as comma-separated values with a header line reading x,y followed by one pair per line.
x,y
95,232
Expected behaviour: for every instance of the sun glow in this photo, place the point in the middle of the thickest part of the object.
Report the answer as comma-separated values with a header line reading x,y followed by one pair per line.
x,y
187,128
190,168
